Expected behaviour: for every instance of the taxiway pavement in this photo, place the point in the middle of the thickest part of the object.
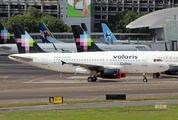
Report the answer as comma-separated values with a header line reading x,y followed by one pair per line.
x,y
23,83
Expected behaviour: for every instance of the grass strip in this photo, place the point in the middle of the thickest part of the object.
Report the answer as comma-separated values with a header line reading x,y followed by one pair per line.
x,y
110,113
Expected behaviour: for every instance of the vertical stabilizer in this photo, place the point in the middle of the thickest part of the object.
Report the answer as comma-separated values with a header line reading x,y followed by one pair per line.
x,y
5,36
46,34
25,42
83,42
108,35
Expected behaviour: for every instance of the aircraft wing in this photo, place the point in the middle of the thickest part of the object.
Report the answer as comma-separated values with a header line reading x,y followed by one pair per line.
x,y
173,64
95,67
21,58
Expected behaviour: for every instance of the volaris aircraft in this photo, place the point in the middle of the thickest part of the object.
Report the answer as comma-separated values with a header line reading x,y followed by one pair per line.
x,y
105,64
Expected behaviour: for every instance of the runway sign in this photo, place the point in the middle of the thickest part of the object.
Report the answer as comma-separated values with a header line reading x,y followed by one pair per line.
x,y
160,105
56,99
115,96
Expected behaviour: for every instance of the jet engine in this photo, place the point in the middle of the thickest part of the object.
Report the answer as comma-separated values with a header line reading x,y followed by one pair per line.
x,y
111,73
173,70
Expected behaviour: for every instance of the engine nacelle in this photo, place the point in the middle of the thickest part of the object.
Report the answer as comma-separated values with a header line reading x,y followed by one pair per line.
x,y
173,70
170,73
111,73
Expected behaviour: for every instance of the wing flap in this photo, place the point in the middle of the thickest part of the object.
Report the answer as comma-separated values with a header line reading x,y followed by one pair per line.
x,y
95,67
85,65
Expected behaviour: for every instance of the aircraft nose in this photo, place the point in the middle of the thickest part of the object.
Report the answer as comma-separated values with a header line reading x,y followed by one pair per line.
x,y
165,66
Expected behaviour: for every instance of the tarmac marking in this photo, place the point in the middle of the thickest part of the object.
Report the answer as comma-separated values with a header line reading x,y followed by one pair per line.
x,y
77,77
4,76
41,78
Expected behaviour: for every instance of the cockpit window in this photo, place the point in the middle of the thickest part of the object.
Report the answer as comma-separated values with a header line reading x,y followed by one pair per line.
x,y
158,60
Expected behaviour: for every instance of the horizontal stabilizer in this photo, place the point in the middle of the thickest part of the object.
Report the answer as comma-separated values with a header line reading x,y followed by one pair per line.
x,y
20,58
5,48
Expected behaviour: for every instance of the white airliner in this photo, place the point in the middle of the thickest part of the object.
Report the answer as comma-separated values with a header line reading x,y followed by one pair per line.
x,y
107,64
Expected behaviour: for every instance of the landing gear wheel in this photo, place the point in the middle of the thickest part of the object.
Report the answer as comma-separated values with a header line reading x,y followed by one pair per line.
x,y
90,79
156,75
94,78
145,80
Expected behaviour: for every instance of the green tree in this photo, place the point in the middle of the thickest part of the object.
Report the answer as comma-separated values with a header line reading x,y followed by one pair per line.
x,y
30,21
55,25
32,11
119,22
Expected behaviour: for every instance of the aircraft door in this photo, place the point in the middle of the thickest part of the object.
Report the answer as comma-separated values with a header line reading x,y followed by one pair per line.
x,y
45,60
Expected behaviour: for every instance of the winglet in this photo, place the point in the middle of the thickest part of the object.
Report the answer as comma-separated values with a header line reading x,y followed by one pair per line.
x,y
83,42
108,35
46,34
25,43
5,36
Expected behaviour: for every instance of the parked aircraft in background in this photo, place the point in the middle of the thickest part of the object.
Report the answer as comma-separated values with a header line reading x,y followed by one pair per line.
x,y
5,38
108,35
49,38
46,35
66,47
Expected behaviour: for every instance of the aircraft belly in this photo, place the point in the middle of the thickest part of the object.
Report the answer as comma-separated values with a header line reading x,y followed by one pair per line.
x,y
61,68
133,69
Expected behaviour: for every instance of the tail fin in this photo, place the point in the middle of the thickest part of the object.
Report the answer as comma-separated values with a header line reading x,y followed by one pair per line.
x,y
25,42
5,36
46,35
83,42
84,27
108,35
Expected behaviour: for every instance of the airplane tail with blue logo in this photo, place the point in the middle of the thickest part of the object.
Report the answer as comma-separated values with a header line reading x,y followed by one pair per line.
x,y
5,36
83,42
108,35
46,35
25,43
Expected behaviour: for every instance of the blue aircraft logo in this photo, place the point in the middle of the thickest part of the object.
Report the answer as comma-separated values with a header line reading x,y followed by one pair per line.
x,y
108,35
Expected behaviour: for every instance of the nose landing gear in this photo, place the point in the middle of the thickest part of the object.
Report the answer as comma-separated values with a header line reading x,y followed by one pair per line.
x,y
144,78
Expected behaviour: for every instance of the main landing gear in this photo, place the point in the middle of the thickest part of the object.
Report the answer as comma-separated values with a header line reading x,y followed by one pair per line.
x,y
93,77
144,78
156,75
